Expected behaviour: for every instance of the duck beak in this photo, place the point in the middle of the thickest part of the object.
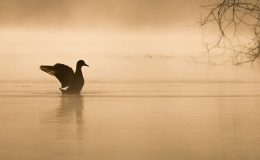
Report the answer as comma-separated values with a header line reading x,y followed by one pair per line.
x,y
86,65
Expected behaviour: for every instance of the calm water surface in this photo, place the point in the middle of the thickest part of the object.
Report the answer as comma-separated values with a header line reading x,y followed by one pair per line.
x,y
135,121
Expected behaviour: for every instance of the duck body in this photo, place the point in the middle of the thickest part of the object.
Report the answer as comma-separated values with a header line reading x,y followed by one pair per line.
x,y
71,83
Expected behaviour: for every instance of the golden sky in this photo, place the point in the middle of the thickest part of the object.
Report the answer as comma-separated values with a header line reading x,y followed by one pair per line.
x,y
99,12
127,29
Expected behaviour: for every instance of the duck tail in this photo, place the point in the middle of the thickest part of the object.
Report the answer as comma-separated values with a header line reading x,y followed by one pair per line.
x,y
62,90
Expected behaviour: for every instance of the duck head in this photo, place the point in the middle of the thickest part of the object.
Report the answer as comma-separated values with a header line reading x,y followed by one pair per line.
x,y
81,63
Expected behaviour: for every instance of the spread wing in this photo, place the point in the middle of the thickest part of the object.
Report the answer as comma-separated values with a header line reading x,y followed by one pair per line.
x,y
62,72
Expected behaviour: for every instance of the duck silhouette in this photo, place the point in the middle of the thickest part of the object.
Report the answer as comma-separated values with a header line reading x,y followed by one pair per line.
x,y
71,83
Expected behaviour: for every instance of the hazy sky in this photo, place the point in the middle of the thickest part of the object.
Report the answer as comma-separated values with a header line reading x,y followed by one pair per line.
x,y
99,12
115,28
26,42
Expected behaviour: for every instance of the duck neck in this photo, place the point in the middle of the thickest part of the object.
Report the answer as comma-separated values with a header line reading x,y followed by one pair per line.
x,y
78,70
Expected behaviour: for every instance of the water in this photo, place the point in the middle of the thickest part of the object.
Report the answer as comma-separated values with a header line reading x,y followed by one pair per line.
x,y
148,96
133,120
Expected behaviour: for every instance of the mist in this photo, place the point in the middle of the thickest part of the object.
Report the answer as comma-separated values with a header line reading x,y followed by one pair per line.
x,y
150,92
125,38
99,13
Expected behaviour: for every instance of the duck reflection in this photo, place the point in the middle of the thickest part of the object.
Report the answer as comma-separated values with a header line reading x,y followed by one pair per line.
x,y
67,119
70,105
70,115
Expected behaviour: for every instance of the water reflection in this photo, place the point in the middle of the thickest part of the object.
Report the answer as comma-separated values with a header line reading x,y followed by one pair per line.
x,y
71,105
71,110
66,120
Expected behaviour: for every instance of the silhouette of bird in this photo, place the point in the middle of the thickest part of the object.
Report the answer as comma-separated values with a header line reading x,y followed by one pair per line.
x,y
71,83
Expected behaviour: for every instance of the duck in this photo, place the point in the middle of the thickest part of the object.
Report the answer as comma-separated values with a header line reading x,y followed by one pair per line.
x,y
71,82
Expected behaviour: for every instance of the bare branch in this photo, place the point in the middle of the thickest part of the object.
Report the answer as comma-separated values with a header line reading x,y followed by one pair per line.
x,y
232,18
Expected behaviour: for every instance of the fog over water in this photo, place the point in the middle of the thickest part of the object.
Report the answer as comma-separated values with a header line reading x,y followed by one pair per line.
x,y
89,13
120,40
46,32
150,92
